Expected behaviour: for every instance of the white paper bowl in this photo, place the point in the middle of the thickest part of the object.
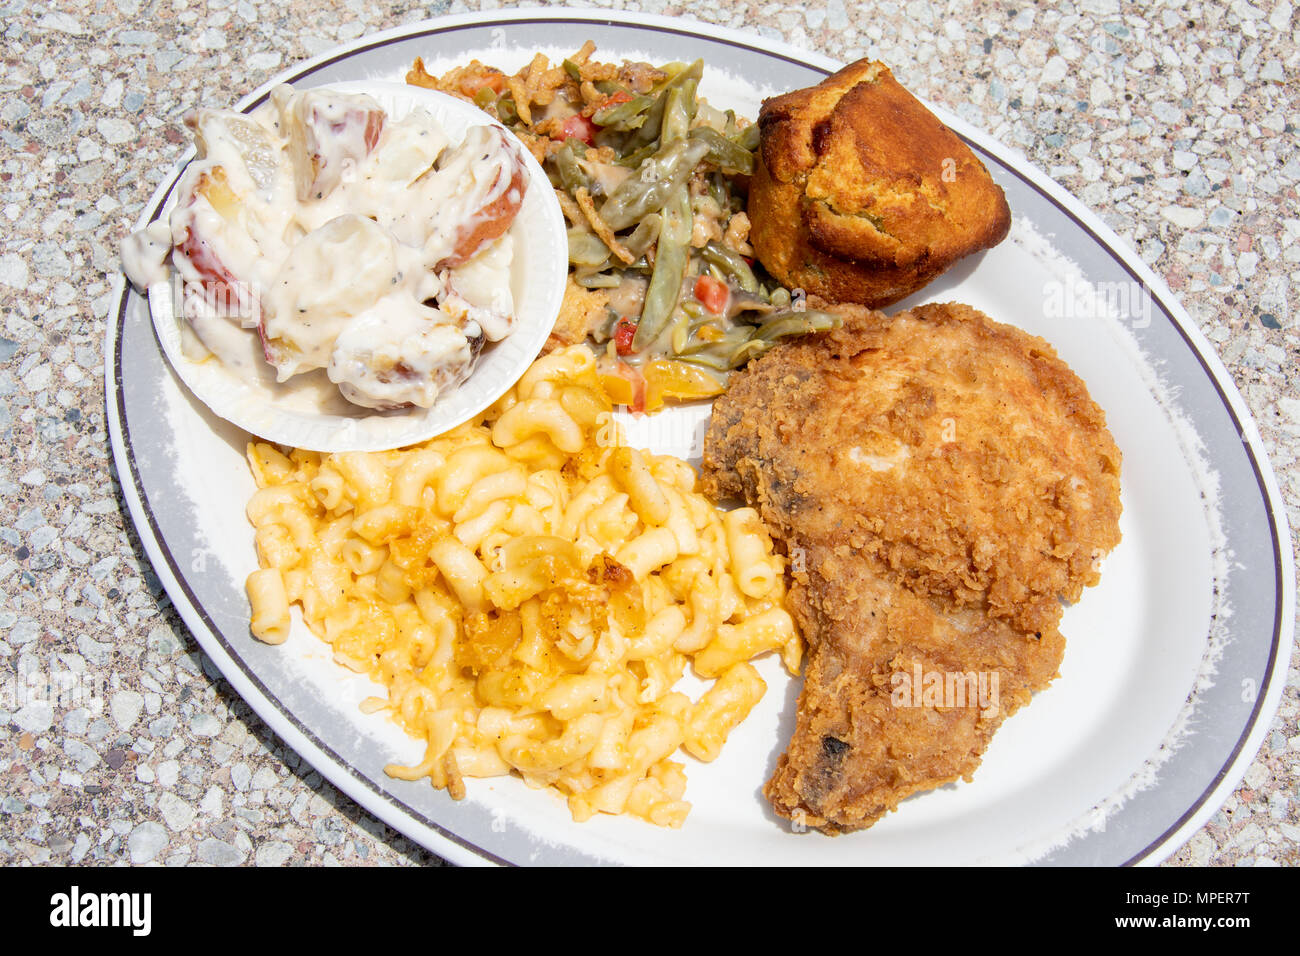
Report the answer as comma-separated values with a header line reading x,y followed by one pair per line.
x,y
307,411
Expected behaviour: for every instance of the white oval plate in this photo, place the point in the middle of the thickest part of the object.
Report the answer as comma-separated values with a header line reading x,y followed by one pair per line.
x,y
307,411
1174,664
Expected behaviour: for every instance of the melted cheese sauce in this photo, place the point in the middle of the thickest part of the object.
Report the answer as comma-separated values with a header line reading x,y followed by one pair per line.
x,y
317,234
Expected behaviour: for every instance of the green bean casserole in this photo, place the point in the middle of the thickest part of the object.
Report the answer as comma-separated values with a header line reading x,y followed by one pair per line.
x,y
653,181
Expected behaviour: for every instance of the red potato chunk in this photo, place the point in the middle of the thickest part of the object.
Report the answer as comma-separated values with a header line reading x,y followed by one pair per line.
x,y
212,186
327,134
501,200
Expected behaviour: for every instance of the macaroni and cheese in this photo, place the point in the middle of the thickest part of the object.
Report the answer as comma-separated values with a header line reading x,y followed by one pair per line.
x,y
529,590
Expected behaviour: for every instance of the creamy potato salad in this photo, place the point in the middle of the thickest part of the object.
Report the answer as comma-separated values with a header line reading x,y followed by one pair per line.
x,y
318,233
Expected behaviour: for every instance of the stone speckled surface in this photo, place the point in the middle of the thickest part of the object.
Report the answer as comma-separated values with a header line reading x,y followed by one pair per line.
x,y
1175,121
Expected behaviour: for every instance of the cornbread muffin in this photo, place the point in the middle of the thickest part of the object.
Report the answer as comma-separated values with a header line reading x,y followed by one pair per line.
x,y
861,195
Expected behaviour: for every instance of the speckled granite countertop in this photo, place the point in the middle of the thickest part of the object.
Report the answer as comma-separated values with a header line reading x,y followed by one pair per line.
x,y
1175,121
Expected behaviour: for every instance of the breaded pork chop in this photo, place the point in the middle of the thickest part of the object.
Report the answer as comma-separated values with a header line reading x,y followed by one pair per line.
x,y
902,692
941,483
960,452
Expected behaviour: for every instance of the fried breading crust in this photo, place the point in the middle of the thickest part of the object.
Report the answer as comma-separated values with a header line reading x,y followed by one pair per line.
x,y
865,737
580,312
961,452
860,194
941,482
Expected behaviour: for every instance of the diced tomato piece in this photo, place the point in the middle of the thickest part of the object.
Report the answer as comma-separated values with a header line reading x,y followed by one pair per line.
x,y
712,293
624,332
579,127
622,96
472,84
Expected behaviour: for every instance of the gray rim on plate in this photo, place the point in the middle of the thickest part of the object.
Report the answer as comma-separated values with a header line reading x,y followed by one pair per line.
x,y
1149,826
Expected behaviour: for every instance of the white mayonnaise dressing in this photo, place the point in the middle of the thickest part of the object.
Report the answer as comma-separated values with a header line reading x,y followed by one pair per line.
x,y
477,289
144,254
314,294
317,234
399,353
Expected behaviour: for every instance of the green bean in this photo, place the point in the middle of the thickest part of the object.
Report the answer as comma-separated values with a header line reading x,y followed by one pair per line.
x,y
679,109
587,249
506,111
623,116
690,88
596,280
748,137
574,71
796,323
485,97
718,191
650,129
638,156
750,350
671,257
647,191
604,330
711,360
644,235
725,344
572,175
724,153
780,297
739,345
731,263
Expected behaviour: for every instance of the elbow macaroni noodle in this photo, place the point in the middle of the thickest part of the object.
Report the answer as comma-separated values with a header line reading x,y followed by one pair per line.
x,y
529,592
